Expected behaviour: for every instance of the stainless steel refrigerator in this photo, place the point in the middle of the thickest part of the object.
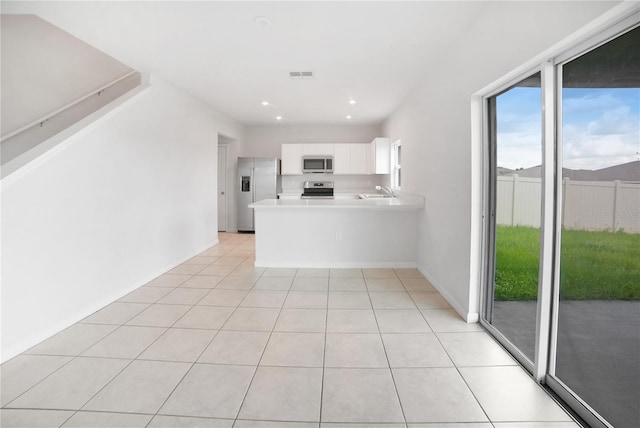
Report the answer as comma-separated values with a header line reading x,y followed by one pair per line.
x,y
257,180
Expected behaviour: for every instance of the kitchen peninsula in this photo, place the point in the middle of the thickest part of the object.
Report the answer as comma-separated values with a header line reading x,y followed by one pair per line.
x,y
337,232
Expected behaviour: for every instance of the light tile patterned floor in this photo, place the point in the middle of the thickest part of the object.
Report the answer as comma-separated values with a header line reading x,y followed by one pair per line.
x,y
216,342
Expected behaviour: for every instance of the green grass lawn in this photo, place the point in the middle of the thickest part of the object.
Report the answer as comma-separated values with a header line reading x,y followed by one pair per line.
x,y
595,265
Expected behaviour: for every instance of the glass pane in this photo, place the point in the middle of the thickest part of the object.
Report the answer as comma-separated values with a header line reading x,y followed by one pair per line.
x,y
314,164
598,334
517,135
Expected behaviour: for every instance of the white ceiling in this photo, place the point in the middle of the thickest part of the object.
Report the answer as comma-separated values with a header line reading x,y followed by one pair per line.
x,y
373,52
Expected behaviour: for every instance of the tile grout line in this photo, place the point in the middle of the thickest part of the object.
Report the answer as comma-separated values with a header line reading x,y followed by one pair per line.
x,y
449,356
384,348
138,355
110,380
75,357
137,358
463,378
204,349
324,348
299,366
75,411
262,354
452,361
201,353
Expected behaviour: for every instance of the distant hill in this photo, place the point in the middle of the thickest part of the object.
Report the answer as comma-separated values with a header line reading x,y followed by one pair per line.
x,y
629,171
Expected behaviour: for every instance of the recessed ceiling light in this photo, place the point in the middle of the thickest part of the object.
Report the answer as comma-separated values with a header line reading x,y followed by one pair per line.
x,y
262,21
278,117
265,103
349,117
352,101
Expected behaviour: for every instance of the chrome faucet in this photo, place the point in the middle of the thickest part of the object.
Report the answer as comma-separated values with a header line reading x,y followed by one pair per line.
x,y
387,190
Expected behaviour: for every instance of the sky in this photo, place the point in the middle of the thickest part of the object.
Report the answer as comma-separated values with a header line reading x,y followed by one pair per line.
x,y
601,127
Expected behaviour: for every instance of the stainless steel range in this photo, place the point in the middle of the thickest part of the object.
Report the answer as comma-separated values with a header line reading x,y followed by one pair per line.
x,y
318,190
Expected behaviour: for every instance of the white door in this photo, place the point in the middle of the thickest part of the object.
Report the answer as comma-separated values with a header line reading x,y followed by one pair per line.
x,y
222,188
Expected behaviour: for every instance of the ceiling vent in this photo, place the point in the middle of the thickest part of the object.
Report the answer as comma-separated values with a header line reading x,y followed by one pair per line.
x,y
297,75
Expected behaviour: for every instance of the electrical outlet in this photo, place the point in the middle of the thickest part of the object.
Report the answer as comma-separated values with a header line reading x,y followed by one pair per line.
x,y
338,236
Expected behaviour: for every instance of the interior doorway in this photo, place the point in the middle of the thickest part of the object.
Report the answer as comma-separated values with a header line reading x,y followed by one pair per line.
x,y
222,188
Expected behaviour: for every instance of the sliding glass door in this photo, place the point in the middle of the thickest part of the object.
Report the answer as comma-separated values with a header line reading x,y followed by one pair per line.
x,y
516,126
562,253
598,314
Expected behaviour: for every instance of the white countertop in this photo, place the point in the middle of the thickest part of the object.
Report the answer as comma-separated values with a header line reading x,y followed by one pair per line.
x,y
382,204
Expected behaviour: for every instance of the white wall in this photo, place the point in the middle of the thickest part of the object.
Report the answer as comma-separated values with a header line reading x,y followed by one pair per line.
x,y
435,127
102,213
434,145
45,69
50,80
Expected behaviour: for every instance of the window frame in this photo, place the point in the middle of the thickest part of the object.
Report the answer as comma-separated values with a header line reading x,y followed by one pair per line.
x,y
396,167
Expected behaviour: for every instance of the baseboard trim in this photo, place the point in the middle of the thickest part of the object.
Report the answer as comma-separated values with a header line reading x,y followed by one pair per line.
x,y
11,351
469,317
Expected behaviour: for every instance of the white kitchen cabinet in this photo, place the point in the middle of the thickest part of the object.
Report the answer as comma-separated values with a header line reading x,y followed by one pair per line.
x,y
291,155
318,149
342,159
379,156
350,159
358,159
338,233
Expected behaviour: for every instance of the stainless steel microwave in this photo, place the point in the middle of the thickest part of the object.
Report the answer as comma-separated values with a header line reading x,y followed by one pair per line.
x,y
317,164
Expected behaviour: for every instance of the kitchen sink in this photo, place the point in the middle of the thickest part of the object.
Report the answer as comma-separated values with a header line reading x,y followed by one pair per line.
x,y
373,196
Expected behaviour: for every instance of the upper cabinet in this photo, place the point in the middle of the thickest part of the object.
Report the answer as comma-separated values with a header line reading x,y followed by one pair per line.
x,y
341,159
291,155
358,159
348,159
380,154
317,149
